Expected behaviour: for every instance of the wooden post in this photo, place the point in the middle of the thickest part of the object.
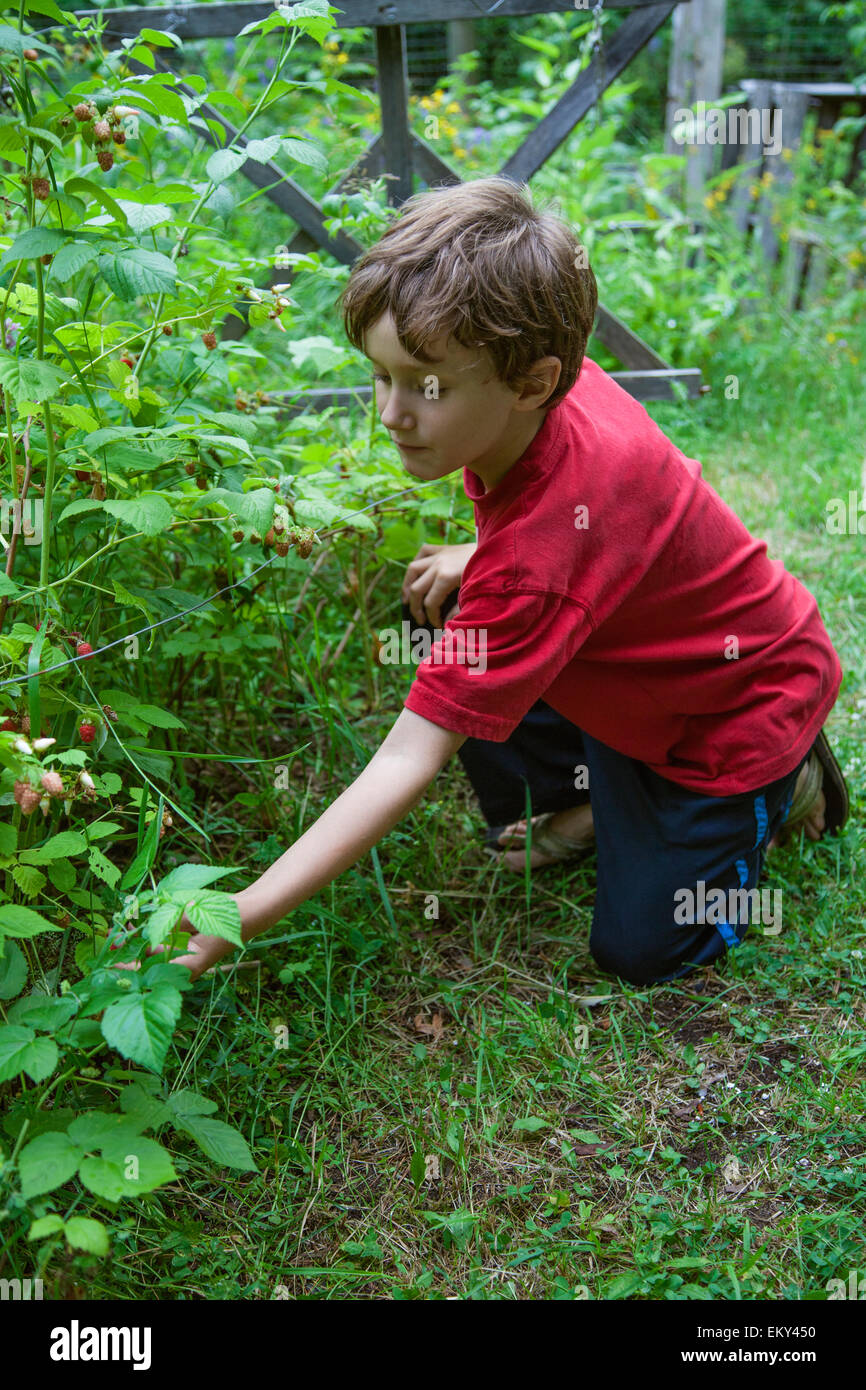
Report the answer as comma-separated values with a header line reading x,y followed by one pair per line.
x,y
394,99
461,39
695,74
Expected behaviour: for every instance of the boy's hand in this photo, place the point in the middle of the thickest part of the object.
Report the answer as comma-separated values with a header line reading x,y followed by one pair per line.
x,y
201,953
435,571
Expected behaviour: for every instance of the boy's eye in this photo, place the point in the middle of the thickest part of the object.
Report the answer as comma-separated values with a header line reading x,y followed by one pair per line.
x,y
378,376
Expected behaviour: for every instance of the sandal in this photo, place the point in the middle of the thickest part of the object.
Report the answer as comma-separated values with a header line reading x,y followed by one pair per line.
x,y
544,838
823,774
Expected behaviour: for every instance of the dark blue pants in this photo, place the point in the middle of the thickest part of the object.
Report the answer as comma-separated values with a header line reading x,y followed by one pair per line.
x,y
653,838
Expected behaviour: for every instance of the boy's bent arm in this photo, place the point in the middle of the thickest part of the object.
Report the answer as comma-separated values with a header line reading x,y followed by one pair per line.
x,y
392,783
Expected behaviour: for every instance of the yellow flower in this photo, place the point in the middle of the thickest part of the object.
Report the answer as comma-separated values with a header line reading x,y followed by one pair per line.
x,y
342,57
767,179
710,201
452,106
439,95
855,356
650,212
810,203
754,189
826,134
332,46
830,338
787,155
426,103
459,152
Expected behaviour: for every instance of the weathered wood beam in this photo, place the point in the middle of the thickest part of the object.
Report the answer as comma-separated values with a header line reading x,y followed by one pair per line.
x,y
285,193
644,386
368,165
393,74
625,344
584,92
203,21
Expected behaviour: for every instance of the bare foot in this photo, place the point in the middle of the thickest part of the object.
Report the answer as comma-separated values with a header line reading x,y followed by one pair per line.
x,y
815,822
575,824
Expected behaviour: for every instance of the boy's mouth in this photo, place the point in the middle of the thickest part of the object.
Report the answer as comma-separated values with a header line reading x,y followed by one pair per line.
x,y
410,448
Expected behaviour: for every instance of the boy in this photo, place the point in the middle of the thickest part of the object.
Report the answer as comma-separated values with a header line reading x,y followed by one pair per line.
x,y
685,676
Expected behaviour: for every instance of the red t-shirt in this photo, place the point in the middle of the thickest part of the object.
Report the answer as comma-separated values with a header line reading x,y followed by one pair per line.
x,y
613,582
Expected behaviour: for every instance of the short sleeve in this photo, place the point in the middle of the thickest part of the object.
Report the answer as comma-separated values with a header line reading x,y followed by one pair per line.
x,y
495,659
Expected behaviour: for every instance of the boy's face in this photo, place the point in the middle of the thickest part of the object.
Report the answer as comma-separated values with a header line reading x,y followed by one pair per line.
x,y
475,421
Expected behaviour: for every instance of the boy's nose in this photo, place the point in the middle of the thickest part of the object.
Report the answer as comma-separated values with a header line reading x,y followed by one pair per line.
x,y
395,415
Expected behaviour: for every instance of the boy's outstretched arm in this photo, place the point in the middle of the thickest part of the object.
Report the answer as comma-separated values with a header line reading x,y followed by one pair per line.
x,y
393,781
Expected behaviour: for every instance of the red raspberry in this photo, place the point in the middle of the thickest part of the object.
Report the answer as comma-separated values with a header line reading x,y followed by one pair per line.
x,y
27,797
83,649
9,724
87,732
83,475
105,160
53,783
209,340
127,361
191,468
82,112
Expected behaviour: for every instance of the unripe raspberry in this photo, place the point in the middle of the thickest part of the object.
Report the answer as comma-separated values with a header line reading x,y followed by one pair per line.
x,y
83,475
82,112
102,130
25,718
236,536
270,537
30,54
105,160
167,329
87,732
209,340
191,467
27,797
305,548
53,783
41,189
83,649
47,258
110,713
282,547
119,137
202,484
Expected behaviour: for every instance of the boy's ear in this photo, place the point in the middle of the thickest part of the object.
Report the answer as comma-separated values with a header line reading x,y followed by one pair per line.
x,y
539,383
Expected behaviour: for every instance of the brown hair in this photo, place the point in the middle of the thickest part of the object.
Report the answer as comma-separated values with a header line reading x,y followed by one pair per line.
x,y
477,261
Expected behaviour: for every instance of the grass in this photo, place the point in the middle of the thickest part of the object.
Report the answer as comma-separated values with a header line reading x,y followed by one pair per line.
x,y
464,1106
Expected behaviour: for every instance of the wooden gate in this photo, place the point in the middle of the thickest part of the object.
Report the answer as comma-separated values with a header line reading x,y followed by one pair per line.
x,y
400,153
